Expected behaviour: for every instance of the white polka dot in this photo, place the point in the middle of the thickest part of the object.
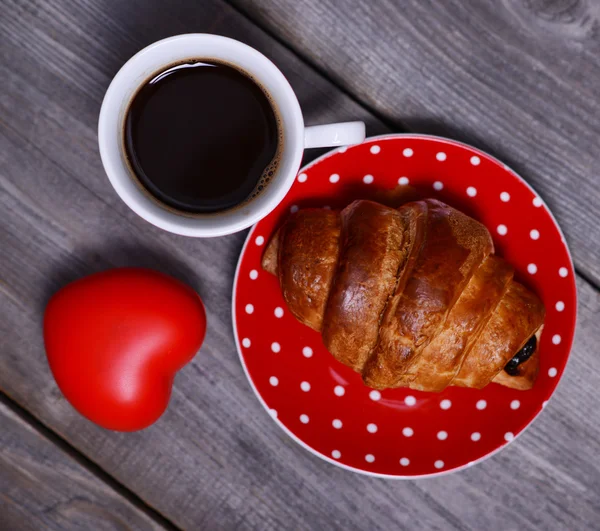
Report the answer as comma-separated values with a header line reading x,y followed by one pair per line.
x,y
403,181
375,149
509,436
563,272
369,458
375,395
552,372
275,347
304,418
259,240
371,428
407,432
334,178
368,179
273,413
337,424
505,197
471,191
534,234
560,306
556,339
339,390
410,400
481,404
502,230
307,352
532,269
302,178
407,152
515,404
336,454
537,202
445,404
246,342
438,185
274,381
405,461
544,403
294,209
343,149
278,312
442,435
254,274
438,464
249,308
441,156
475,436
305,386
475,160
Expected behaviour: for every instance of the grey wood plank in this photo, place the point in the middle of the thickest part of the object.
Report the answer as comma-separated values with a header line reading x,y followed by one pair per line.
x,y
42,487
520,80
216,460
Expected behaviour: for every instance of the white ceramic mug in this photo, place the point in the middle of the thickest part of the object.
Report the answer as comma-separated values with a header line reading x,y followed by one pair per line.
x,y
296,136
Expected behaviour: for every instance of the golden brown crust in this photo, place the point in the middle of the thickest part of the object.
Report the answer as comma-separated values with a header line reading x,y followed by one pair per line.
x,y
517,317
308,256
407,297
370,255
414,216
271,254
440,361
454,246
526,372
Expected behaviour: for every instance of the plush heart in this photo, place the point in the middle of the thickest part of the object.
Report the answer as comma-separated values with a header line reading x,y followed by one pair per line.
x,y
115,340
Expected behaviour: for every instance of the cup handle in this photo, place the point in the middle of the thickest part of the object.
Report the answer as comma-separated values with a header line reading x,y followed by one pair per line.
x,y
342,134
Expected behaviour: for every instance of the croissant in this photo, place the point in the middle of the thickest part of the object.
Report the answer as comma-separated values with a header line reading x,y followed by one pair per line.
x,y
409,297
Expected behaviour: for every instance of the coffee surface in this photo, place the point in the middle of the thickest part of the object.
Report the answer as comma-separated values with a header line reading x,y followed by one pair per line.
x,y
202,137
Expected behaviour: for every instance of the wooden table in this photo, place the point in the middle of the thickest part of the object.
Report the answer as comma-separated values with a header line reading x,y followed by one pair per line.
x,y
520,79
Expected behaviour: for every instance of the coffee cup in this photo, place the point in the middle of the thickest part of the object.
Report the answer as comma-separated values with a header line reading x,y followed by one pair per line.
x,y
296,136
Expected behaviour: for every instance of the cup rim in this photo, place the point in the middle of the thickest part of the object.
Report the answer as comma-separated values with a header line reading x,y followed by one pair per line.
x,y
147,62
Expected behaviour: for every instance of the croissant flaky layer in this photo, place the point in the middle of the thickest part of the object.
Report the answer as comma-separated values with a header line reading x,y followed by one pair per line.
x,y
412,297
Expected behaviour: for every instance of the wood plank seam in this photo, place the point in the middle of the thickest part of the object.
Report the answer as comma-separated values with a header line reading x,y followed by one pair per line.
x,y
584,276
92,467
391,124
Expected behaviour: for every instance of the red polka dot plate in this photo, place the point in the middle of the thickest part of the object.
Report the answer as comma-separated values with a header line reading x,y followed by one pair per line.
x,y
402,433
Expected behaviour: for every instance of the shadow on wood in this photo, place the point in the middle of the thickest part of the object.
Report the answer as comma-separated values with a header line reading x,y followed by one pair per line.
x,y
84,262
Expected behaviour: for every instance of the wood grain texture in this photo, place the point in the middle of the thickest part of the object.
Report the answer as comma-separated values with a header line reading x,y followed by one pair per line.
x,y
42,487
517,78
216,460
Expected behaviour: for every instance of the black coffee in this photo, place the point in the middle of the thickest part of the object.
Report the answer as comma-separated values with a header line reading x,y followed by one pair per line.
x,y
202,137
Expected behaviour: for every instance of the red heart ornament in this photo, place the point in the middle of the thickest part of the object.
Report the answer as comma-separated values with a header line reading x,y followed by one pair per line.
x,y
115,340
